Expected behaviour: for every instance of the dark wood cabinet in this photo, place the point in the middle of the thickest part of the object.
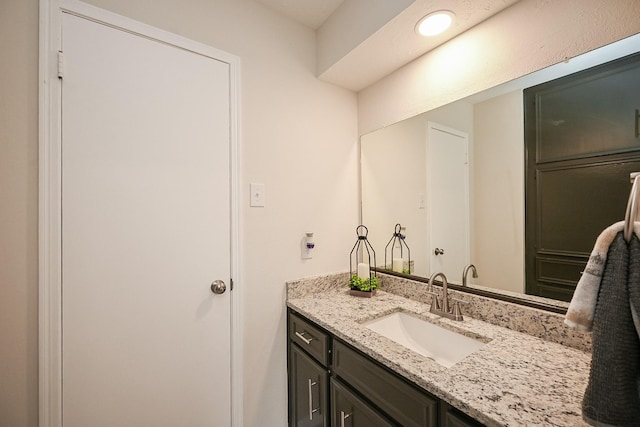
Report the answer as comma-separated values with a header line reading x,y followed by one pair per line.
x,y
308,373
310,338
406,404
334,384
451,417
349,410
308,390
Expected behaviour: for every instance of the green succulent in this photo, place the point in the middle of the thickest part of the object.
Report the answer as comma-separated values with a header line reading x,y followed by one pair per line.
x,y
366,285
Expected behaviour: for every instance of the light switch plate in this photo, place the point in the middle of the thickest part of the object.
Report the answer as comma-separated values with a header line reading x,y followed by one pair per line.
x,y
258,195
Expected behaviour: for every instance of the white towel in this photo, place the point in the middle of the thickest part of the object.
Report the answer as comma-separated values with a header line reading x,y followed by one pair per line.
x,y
583,304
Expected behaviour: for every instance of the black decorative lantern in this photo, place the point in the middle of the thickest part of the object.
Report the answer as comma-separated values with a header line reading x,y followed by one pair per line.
x,y
363,280
397,246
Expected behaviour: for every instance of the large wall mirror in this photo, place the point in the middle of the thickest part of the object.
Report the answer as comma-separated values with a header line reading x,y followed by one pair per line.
x,y
454,178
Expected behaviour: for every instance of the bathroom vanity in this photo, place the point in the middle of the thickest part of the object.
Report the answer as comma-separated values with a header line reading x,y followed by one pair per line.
x,y
332,383
342,373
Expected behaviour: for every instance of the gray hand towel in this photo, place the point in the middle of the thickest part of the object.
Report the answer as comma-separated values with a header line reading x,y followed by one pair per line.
x,y
634,281
611,397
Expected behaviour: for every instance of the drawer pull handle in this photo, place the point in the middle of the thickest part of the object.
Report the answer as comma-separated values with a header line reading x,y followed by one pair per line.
x,y
302,337
311,410
343,417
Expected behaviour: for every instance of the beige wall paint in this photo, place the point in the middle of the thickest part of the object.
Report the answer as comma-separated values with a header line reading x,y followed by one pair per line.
x,y
495,128
393,169
394,173
497,187
525,37
19,213
299,137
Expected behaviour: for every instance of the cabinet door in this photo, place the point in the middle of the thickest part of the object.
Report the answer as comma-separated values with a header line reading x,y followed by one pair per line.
x,y
451,417
348,410
307,390
401,401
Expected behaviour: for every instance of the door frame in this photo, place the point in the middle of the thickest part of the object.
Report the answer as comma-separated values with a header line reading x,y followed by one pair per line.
x,y
50,206
467,216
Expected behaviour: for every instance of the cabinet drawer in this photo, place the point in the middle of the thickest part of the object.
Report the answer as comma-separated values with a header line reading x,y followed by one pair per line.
x,y
307,390
309,337
403,402
348,410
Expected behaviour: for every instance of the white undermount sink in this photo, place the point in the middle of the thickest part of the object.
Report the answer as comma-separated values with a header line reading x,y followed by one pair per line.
x,y
442,345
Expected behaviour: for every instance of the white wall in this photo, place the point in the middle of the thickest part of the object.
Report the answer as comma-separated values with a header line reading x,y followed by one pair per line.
x,y
497,185
394,173
496,150
393,163
19,213
457,115
523,38
337,36
298,136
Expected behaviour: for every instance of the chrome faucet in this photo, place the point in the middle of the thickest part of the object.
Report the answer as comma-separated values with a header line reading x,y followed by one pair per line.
x,y
466,271
442,308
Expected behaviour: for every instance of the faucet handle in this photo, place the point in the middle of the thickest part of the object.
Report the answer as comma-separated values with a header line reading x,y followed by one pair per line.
x,y
455,310
459,301
457,314
435,301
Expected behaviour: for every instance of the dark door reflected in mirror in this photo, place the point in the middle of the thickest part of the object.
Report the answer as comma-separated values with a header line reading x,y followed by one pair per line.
x,y
582,141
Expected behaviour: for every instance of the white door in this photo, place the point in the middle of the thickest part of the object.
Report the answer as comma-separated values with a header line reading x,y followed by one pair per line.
x,y
448,200
145,231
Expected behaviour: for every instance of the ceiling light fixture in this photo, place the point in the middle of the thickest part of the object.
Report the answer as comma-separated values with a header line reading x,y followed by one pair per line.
x,y
435,23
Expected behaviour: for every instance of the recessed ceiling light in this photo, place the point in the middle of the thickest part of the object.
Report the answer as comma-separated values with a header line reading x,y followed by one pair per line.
x,y
435,23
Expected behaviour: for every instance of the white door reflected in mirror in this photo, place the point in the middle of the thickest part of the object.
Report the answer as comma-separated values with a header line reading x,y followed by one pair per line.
x,y
448,193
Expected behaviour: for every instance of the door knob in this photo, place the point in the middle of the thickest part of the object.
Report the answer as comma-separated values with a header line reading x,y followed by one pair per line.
x,y
218,287
439,251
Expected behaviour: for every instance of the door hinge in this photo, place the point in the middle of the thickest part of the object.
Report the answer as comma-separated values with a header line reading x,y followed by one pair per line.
x,y
60,65
231,284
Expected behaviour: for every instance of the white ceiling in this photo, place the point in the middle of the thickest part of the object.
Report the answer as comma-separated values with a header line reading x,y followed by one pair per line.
x,y
311,13
386,48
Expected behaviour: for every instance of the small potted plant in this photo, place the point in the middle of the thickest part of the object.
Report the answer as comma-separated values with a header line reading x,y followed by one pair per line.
x,y
363,287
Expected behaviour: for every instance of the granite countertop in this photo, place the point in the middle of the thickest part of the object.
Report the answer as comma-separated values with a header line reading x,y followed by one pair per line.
x,y
514,380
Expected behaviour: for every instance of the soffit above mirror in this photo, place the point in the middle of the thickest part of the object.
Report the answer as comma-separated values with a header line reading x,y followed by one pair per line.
x,y
360,41
311,13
